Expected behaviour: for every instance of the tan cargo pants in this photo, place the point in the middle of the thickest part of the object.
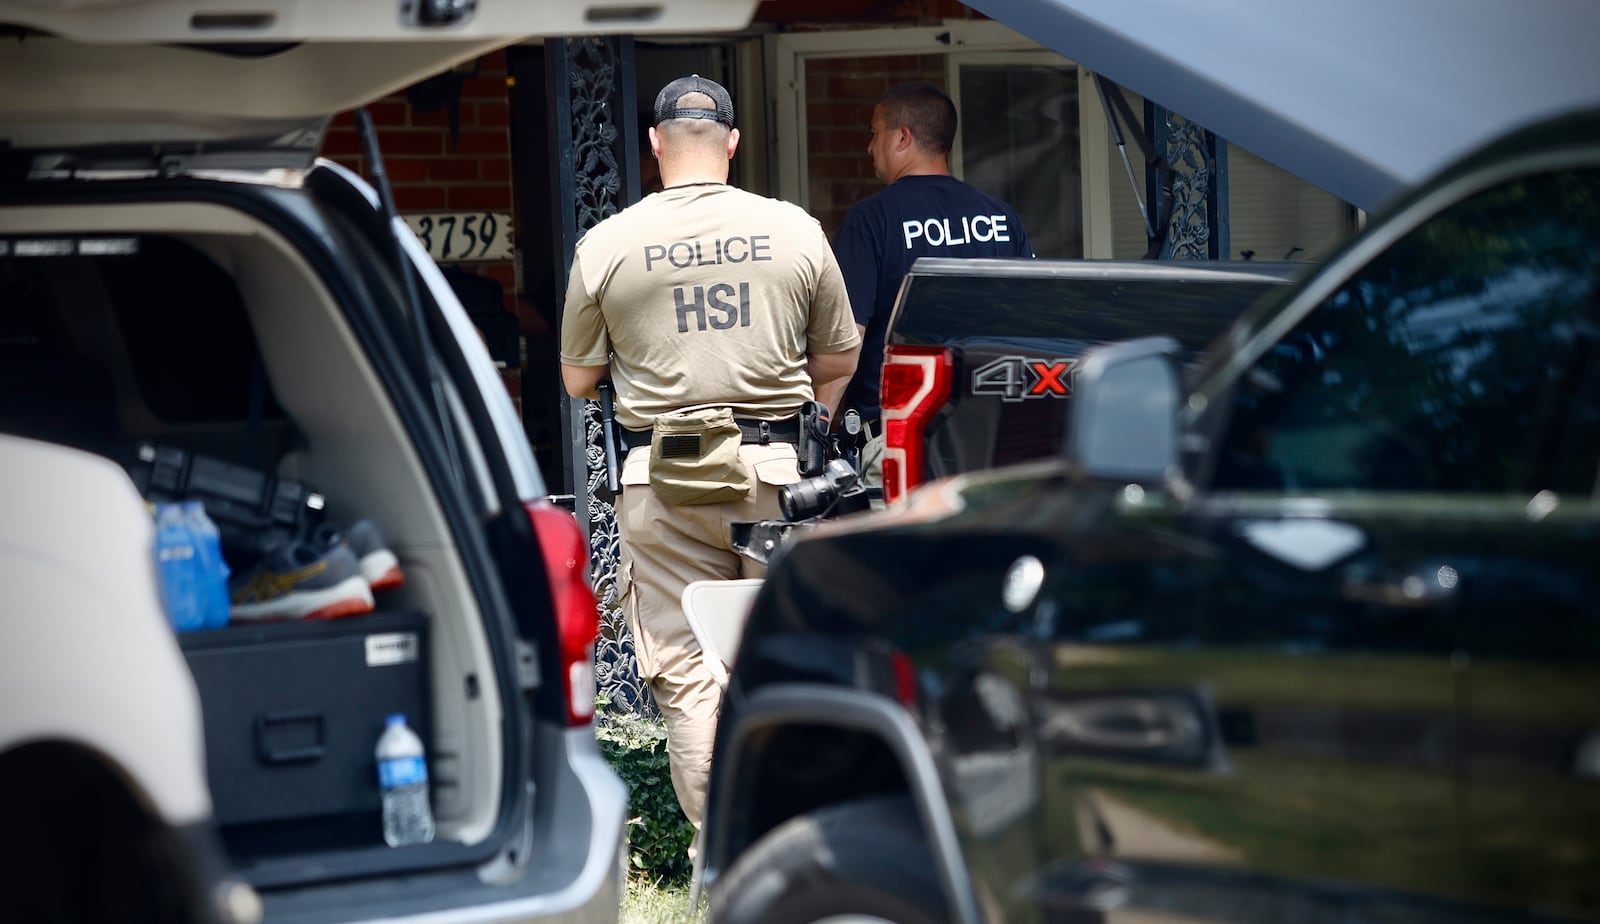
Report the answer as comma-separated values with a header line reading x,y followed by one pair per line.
x,y
663,549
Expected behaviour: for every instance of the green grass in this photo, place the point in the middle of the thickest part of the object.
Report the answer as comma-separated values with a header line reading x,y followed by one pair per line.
x,y
644,903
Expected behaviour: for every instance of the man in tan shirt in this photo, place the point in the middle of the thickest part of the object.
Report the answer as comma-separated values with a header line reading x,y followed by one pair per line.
x,y
701,295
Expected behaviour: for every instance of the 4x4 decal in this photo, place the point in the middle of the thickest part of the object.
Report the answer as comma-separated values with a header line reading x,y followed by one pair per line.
x,y
1018,378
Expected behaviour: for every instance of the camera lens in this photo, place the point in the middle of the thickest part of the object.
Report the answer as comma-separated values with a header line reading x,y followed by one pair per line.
x,y
805,498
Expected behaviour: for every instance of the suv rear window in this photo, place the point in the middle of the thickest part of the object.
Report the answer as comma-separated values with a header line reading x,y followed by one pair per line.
x,y
182,326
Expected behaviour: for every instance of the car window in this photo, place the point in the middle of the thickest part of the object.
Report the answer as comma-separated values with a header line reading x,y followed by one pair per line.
x,y
1460,360
189,342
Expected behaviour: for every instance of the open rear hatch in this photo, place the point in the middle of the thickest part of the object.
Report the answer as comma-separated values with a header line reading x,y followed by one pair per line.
x,y
258,79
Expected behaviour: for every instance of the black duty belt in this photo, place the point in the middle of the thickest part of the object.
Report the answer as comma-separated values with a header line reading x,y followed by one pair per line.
x,y
786,430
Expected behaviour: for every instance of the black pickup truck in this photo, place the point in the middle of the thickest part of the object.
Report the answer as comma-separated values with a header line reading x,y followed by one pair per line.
x,y
980,353
1311,634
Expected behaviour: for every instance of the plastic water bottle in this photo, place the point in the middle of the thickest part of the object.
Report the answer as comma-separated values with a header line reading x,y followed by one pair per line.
x,y
212,570
403,777
179,567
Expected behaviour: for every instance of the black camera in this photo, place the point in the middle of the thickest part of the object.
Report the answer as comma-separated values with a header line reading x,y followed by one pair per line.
x,y
837,490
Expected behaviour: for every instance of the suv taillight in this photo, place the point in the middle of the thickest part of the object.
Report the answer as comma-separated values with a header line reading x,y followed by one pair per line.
x,y
916,383
566,566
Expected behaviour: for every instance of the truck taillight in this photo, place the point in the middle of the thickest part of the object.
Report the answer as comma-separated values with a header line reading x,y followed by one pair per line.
x,y
916,383
566,565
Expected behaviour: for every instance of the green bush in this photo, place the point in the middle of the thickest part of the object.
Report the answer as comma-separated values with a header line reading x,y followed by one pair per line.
x,y
658,834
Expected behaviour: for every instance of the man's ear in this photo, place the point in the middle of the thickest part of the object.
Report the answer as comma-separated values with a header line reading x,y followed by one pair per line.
x,y
655,142
733,142
903,139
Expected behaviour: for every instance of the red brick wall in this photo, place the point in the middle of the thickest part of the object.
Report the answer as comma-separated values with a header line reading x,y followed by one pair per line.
x,y
429,172
839,97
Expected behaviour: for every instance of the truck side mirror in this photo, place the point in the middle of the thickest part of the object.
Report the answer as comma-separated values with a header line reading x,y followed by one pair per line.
x,y
1124,420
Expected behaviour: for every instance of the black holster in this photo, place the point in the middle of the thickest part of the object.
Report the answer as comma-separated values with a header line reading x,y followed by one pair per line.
x,y
812,446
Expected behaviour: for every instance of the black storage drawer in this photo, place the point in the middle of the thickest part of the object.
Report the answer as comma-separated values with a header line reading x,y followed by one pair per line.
x,y
293,712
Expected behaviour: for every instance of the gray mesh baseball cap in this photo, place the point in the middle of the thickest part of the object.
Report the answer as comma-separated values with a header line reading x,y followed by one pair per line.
x,y
667,101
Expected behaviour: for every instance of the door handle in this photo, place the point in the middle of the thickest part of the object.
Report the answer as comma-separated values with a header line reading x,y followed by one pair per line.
x,y
1175,727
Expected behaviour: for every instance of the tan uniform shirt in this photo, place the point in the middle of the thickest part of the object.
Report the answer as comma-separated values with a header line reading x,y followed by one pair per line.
x,y
706,295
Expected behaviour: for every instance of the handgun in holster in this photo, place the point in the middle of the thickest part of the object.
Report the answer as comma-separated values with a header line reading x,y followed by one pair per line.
x,y
812,445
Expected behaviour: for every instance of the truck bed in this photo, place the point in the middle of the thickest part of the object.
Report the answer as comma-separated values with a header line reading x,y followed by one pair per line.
x,y
1007,334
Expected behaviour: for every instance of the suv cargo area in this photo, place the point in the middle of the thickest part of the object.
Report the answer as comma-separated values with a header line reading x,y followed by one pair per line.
x,y
196,325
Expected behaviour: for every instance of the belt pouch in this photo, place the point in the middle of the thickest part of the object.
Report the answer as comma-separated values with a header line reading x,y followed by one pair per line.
x,y
694,458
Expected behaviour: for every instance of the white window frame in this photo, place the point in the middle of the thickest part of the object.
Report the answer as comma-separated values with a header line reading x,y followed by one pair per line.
x,y
961,41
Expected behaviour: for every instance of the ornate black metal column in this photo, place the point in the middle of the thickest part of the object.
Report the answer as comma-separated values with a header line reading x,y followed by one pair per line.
x,y
594,133
1194,194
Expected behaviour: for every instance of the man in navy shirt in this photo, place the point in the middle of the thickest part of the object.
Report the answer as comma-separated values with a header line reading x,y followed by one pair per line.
x,y
922,212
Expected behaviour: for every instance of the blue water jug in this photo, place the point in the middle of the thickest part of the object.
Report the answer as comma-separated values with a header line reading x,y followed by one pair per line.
x,y
179,567
213,569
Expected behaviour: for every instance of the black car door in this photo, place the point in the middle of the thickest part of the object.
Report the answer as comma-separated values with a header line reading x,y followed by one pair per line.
x,y
1357,673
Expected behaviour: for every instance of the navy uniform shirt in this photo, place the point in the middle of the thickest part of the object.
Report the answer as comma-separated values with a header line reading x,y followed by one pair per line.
x,y
882,235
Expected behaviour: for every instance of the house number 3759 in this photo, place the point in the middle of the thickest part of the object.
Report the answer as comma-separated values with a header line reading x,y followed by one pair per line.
x,y
458,236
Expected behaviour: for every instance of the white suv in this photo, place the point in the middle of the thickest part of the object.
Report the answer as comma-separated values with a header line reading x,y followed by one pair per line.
x,y
178,271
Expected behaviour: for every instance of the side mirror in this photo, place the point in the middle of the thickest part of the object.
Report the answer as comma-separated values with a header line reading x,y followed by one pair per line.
x,y
1124,418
